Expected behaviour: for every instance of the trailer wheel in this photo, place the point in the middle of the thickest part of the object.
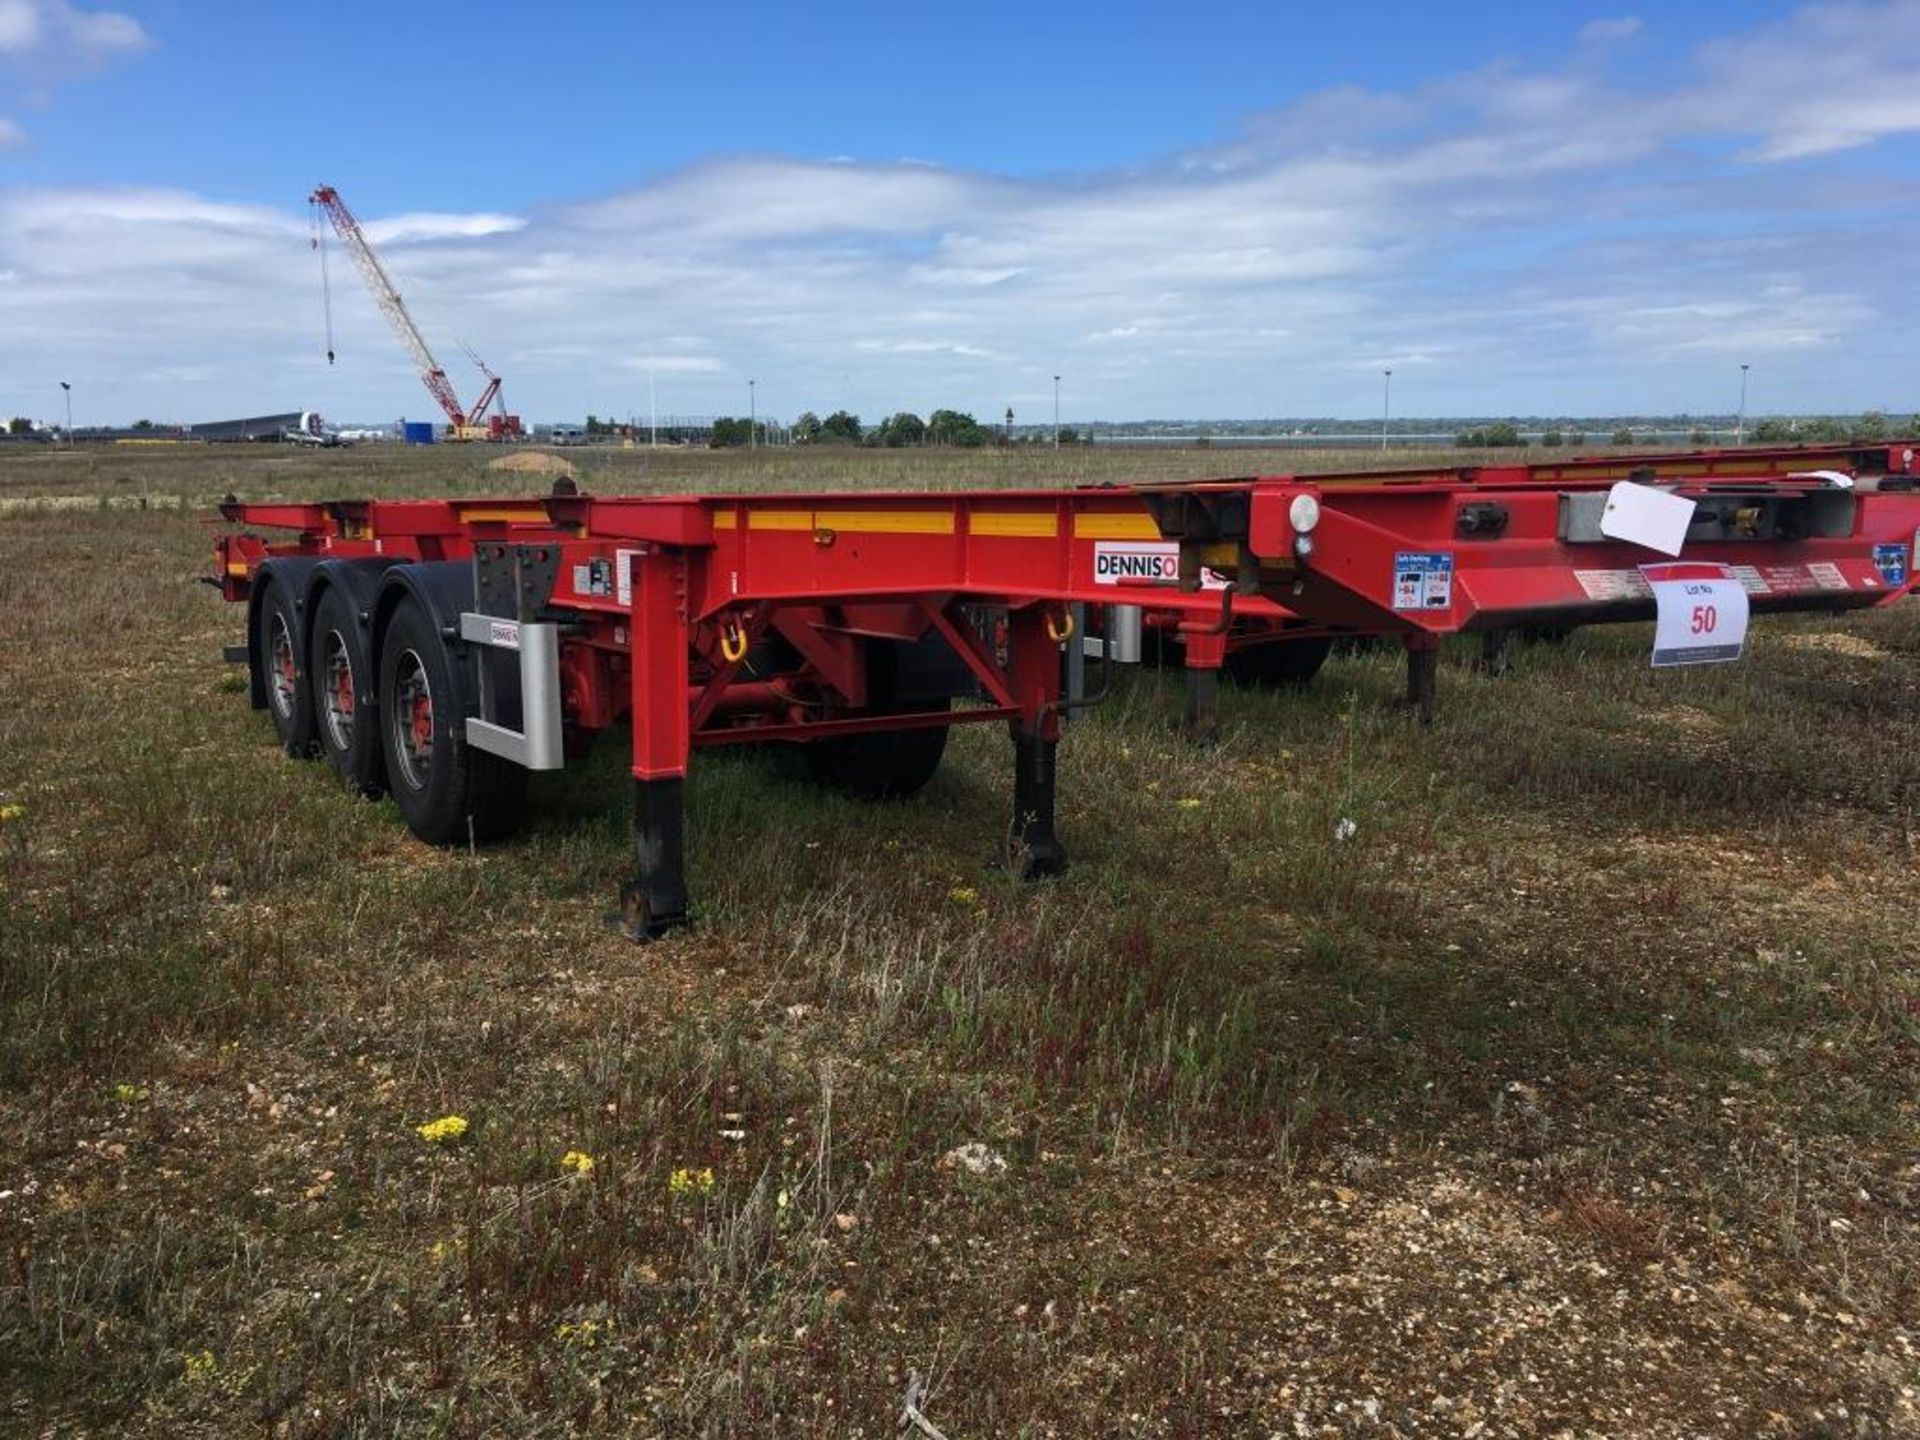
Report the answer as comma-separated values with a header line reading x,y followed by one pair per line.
x,y
879,765
445,789
284,679
1279,662
347,718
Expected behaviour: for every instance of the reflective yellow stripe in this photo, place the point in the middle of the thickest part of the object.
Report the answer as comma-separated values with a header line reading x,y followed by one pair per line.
x,y
779,519
726,520
1014,522
511,514
886,522
237,567
1115,527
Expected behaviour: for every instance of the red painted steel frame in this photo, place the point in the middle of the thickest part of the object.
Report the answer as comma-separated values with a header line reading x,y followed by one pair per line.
x,y
665,599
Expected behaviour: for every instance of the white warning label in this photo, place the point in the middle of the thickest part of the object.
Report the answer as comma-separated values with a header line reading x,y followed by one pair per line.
x,y
1422,580
1613,584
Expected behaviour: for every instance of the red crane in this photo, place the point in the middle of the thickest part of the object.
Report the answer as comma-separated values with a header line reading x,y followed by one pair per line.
x,y
471,424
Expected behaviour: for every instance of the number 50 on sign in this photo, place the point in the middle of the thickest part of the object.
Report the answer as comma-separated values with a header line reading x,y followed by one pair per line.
x,y
1702,614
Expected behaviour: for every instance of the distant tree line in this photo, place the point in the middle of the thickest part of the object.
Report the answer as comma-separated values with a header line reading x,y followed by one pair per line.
x,y
902,430
1869,425
1491,437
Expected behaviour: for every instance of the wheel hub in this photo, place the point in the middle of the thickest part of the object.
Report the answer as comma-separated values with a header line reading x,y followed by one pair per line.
x,y
280,669
340,691
412,724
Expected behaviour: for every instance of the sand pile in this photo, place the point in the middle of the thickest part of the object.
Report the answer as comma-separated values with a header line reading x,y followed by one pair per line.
x,y
531,462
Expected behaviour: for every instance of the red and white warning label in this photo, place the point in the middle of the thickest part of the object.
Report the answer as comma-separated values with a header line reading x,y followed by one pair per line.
x,y
1754,579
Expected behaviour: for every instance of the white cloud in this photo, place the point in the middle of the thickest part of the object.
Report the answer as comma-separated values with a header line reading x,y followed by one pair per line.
x,y
1605,32
922,347
675,364
19,26
57,37
102,33
45,43
1509,239
412,229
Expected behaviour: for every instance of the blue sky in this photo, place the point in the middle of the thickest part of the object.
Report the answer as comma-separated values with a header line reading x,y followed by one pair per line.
x,y
1214,210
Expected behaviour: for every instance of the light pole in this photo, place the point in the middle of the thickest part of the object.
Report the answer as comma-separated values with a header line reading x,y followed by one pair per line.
x,y
653,414
68,390
1740,427
1386,406
753,417
1056,412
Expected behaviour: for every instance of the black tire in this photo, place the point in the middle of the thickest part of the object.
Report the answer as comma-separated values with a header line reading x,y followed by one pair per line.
x,y
346,712
445,789
1279,663
283,670
879,765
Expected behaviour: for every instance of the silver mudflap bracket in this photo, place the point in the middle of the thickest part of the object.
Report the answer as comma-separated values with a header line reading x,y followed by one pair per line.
x,y
540,745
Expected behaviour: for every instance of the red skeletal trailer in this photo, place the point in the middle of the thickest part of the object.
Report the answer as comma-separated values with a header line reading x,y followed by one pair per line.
x,y
440,649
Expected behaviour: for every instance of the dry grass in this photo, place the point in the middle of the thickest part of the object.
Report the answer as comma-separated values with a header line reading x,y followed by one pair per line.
x,y
1575,1093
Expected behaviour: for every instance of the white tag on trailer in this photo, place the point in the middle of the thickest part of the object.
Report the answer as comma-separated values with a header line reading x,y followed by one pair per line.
x,y
1644,515
1702,613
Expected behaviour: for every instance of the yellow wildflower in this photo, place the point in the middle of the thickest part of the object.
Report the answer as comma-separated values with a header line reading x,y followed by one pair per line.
x,y
578,1161
585,1335
11,812
1188,803
128,1094
964,895
200,1367
443,1130
690,1182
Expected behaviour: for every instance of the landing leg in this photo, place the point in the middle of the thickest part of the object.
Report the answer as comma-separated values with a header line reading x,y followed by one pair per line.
x,y
655,900
1032,847
1034,672
1423,673
1206,653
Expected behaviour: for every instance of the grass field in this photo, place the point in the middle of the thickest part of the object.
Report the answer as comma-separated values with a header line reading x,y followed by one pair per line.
x,y
1575,1093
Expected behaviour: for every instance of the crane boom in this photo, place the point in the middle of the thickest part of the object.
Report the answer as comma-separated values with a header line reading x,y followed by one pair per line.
x,y
388,297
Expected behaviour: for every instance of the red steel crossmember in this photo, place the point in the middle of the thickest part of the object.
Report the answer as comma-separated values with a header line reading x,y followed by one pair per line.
x,y
671,604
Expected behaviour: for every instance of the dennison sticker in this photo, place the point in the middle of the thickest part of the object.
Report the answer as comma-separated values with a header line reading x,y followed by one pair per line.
x,y
1423,580
1145,562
